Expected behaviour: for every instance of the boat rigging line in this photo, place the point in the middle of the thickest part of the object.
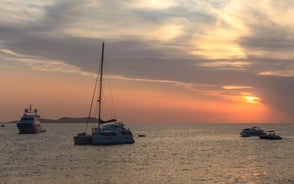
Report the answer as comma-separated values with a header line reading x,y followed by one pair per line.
x,y
94,91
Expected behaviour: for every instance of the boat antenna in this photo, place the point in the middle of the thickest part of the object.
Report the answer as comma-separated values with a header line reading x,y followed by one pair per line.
x,y
100,91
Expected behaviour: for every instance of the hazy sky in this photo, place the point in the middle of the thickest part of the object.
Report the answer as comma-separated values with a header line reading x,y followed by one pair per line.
x,y
228,61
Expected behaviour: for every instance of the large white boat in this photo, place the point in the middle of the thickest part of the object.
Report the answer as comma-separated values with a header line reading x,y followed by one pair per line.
x,y
253,131
107,132
30,122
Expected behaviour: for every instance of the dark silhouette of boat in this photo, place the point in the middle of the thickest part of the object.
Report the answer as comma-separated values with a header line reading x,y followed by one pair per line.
x,y
30,122
253,131
270,135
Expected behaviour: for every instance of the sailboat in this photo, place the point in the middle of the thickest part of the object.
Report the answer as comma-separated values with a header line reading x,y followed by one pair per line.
x,y
107,132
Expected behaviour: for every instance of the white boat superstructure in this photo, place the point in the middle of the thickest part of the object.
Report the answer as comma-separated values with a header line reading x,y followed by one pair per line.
x,y
253,131
30,122
107,132
115,133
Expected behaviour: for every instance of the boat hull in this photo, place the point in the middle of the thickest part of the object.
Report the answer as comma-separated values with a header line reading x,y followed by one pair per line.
x,y
270,137
82,139
29,128
245,135
111,140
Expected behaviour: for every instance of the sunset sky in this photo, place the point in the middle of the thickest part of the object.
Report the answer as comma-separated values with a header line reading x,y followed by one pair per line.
x,y
166,61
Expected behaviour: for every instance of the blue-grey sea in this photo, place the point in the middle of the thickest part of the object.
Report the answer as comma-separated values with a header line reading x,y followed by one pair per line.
x,y
170,153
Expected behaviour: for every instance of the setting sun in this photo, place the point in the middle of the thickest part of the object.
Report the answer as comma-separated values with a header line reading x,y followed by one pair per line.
x,y
251,99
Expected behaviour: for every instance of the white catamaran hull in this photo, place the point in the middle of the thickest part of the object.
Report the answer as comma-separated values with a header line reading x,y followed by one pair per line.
x,y
118,139
83,139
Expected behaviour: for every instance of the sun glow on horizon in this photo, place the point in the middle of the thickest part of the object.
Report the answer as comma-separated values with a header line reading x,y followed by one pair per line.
x,y
251,99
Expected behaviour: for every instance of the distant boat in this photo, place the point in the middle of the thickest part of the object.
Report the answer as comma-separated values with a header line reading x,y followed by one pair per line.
x,y
245,134
113,133
2,125
30,122
270,135
253,131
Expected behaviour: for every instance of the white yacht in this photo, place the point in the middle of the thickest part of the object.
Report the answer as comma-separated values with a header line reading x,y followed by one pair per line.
x,y
107,132
253,131
30,122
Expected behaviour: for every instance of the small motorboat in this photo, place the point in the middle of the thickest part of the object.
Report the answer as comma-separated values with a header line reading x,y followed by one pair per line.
x,y
2,125
253,131
270,135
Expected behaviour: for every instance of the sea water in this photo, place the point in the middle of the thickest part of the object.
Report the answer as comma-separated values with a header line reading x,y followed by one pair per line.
x,y
170,153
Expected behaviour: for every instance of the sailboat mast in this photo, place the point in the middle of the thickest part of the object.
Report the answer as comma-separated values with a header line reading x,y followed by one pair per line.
x,y
100,91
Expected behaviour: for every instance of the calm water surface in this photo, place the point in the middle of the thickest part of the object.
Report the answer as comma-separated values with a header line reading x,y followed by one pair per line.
x,y
177,153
